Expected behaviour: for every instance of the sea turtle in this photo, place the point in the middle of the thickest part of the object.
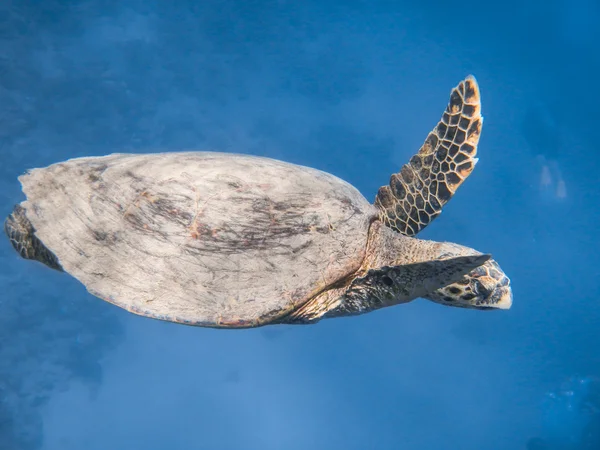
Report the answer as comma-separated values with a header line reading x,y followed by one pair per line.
x,y
234,241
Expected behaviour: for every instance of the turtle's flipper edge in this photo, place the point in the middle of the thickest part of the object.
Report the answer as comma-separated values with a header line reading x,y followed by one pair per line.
x,y
416,195
21,235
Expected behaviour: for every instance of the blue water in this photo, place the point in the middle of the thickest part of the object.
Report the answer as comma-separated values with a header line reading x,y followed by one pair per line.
x,y
352,88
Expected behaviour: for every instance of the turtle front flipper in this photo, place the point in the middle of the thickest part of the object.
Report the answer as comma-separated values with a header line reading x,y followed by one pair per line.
x,y
416,195
21,234
384,286
392,285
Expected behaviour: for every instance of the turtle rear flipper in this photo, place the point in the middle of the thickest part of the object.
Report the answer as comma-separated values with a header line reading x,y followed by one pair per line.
x,y
416,195
21,234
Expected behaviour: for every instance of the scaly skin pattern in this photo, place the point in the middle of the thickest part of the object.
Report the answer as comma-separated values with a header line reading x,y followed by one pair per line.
x,y
416,195
21,235
398,269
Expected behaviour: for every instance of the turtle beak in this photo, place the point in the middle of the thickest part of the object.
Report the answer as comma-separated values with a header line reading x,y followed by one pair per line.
x,y
488,288
502,297
498,293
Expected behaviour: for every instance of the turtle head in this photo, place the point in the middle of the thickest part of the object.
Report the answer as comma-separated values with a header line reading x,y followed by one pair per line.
x,y
485,287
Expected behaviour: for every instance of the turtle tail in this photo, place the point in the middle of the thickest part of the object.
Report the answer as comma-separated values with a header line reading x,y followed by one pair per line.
x,y
21,234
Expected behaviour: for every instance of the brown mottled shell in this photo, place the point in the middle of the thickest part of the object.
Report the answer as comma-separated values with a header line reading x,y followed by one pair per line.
x,y
199,238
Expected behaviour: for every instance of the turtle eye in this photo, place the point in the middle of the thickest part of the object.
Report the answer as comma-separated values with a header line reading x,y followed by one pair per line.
x,y
387,280
482,289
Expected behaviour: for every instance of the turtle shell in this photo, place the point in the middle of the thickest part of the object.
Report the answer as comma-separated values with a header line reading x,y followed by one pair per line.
x,y
200,238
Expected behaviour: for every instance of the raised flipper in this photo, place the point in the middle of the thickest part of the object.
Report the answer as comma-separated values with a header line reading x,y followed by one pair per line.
x,y
416,195
21,234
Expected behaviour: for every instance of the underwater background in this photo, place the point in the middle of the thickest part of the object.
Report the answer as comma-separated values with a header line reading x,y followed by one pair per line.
x,y
352,88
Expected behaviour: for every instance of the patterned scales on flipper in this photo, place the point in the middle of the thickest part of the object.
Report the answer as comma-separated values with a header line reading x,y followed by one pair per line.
x,y
416,195
22,236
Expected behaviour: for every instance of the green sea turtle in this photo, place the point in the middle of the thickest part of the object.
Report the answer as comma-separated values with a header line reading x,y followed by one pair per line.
x,y
233,241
